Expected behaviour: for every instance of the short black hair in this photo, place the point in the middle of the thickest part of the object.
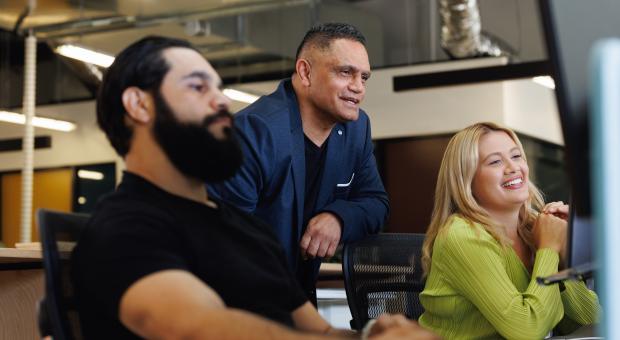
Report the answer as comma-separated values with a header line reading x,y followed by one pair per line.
x,y
141,64
321,36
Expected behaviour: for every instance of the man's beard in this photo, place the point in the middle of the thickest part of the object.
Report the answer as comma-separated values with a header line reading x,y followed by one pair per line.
x,y
193,149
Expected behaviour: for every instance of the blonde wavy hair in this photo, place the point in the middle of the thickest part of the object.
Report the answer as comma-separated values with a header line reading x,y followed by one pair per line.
x,y
453,193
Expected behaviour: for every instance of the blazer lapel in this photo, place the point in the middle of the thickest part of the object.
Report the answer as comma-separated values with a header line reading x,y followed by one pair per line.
x,y
298,155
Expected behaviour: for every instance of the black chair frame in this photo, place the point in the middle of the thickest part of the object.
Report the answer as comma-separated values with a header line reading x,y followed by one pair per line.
x,y
359,286
58,301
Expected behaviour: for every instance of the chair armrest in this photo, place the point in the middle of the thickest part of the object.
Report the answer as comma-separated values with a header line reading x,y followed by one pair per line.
x,y
43,319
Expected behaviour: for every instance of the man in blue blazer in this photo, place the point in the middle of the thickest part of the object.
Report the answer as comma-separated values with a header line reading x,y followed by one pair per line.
x,y
309,169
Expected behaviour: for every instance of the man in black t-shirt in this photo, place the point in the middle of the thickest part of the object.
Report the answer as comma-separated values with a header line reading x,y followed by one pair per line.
x,y
158,258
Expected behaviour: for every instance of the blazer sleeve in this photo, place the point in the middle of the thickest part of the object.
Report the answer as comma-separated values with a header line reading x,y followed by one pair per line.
x,y
472,264
244,189
366,208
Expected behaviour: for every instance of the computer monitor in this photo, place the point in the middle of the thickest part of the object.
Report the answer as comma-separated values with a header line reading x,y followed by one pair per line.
x,y
571,28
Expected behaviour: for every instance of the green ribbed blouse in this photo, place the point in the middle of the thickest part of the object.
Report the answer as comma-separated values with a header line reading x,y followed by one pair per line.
x,y
477,289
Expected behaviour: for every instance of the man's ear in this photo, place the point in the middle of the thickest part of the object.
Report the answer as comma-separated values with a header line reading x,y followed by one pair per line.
x,y
137,103
302,67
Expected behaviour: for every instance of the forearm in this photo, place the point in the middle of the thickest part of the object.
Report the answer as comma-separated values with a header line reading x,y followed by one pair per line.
x,y
238,324
359,216
226,324
580,304
343,333
581,307
186,308
539,308
308,319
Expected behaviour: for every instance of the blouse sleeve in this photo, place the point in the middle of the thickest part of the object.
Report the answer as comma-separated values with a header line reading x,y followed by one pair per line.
x,y
472,264
580,304
581,307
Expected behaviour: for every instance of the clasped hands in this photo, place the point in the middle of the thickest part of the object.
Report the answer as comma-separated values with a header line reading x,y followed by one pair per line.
x,y
550,228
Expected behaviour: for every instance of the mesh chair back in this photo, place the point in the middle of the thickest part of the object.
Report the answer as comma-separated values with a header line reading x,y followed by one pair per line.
x,y
59,232
383,274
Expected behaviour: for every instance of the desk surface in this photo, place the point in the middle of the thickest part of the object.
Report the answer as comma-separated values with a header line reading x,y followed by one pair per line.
x,y
330,269
21,286
13,255
584,332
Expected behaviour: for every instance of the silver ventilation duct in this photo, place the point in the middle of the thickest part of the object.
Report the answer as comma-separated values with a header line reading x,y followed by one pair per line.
x,y
461,35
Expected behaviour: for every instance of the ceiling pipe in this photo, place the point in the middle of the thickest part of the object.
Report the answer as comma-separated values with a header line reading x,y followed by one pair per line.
x,y
99,25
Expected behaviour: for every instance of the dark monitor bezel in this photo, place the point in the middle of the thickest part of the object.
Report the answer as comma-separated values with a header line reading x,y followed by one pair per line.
x,y
576,140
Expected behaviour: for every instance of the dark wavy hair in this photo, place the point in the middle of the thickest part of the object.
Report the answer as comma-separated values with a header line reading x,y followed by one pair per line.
x,y
320,36
141,64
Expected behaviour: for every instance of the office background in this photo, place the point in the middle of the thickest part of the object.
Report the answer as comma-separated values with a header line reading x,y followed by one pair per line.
x,y
252,45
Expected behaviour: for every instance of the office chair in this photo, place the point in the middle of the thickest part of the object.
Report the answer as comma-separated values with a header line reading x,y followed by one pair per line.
x,y
57,311
383,274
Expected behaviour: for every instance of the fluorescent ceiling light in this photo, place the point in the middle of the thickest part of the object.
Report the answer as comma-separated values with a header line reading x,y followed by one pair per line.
x,y
104,60
46,123
86,55
240,96
545,81
88,174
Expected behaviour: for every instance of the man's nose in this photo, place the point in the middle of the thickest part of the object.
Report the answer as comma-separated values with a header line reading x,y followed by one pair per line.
x,y
220,101
357,84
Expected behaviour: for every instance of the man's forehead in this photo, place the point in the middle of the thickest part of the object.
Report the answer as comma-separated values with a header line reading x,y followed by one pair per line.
x,y
185,62
345,52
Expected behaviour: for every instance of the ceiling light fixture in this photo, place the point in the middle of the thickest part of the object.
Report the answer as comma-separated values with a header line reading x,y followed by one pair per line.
x,y
240,96
545,81
46,123
88,174
104,60
85,55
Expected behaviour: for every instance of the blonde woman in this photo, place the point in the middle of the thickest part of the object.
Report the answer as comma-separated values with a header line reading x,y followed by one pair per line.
x,y
487,243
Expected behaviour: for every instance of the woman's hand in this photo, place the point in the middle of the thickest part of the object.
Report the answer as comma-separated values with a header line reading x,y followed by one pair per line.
x,y
558,209
550,232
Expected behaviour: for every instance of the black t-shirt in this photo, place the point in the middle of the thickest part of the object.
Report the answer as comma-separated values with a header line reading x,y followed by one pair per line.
x,y
308,269
315,161
141,229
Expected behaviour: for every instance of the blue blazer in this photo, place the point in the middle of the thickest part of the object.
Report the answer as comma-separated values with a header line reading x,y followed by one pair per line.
x,y
270,184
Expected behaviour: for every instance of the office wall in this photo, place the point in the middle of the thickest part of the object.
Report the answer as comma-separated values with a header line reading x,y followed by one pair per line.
x,y
51,190
516,22
531,109
85,145
409,167
520,104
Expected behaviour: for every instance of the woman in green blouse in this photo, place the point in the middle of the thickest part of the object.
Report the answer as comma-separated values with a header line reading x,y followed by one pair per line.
x,y
490,236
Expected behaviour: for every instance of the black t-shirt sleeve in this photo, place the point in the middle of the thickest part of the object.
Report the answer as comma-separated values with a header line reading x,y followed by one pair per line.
x,y
297,295
140,245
